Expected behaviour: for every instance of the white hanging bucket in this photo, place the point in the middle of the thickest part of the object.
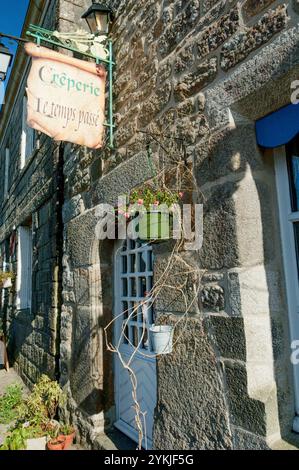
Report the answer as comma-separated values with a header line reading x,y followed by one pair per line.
x,y
161,337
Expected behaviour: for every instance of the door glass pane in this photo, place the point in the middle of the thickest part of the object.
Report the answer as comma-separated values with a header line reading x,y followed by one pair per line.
x,y
292,150
125,309
124,287
134,311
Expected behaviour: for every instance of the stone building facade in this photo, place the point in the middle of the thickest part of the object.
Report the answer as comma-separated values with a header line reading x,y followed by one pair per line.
x,y
204,72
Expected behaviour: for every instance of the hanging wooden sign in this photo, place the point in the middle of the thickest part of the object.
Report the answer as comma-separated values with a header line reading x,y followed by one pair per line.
x,y
66,97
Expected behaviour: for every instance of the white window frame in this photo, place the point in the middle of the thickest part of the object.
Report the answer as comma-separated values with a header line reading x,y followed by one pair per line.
x,y
27,138
6,171
24,270
287,219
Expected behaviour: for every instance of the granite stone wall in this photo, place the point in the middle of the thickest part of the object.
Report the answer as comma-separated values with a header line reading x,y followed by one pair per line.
x,y
32,199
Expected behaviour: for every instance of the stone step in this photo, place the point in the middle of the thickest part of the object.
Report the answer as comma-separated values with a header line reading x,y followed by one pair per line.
x,y
114,440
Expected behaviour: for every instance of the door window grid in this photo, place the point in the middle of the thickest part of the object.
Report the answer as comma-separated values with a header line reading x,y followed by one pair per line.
x,y
136,281
24,269
6,171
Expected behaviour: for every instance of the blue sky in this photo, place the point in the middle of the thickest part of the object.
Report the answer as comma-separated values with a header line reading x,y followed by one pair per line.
x,y
12,16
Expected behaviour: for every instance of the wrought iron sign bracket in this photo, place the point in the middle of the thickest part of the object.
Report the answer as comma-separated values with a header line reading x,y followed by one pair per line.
x,y
98,48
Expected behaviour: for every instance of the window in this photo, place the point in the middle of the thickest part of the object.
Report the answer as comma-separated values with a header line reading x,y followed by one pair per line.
x,y
6,171
24,271
28,137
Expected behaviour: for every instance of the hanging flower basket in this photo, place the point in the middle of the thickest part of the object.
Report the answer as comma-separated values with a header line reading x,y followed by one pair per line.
x,y
161,338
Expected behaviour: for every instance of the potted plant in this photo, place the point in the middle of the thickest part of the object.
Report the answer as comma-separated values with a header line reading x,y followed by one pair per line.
x,y
57,441
68,433
161,338
25,437
155,208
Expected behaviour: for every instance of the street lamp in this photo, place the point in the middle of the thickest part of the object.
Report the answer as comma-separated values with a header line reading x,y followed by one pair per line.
x,y
98,17
5,61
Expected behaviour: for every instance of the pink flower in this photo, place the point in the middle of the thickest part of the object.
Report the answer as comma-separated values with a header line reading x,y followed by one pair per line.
x,y
140,202
127,215
181,195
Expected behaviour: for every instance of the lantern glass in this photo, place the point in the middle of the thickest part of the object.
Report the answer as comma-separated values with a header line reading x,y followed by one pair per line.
x,y
5,61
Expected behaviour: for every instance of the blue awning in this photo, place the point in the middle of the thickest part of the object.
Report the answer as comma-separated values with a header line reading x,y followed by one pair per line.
x,y
278,128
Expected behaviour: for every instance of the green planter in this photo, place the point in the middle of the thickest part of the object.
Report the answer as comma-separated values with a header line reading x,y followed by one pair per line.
x,y
154,225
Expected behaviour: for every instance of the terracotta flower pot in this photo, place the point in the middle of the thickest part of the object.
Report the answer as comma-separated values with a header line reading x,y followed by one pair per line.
x,y
56,444
68,439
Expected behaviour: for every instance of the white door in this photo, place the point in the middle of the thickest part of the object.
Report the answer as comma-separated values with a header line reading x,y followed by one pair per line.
x,y
287,179
133,315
